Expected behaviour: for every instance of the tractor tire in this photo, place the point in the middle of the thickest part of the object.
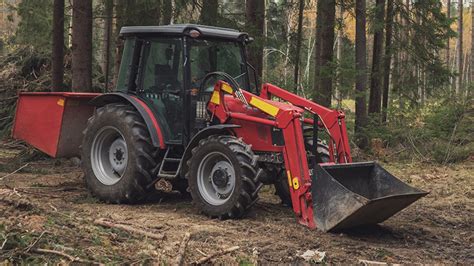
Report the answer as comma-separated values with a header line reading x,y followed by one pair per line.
x,y
117,155
281,185
223,177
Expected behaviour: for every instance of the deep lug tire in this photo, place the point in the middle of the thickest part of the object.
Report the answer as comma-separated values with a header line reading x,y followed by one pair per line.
x,y
117,155
282,189
223,177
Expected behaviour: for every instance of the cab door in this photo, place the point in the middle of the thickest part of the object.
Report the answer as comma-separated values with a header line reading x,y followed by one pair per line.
x,y
161,84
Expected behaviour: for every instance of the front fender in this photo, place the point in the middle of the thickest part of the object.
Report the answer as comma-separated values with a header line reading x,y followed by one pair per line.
x,y
223,129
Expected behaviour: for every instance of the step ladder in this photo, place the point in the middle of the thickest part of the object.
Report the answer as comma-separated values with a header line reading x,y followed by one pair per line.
x,y
169,163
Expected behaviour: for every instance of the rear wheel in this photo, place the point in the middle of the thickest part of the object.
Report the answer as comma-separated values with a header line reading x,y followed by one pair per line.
x,y
223,177
117,155
282,188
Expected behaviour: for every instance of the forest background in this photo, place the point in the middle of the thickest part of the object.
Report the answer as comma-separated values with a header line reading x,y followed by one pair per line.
x,y
402,70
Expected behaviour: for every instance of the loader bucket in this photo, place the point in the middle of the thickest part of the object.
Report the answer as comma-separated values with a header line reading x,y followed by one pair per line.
x,y
355,194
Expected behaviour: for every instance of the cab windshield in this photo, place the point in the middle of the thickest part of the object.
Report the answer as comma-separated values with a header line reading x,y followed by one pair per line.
x,y
211,55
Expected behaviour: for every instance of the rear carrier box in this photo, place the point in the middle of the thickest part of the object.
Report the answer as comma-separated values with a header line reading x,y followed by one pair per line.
x,y
53,121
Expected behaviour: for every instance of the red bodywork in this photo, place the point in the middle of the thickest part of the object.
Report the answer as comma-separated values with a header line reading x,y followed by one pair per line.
x,y
261,114
58,132
51,121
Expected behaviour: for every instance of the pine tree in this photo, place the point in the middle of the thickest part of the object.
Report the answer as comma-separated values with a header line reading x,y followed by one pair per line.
x,y
459,58
255,23
375,98
448,13
167,12
109,10
57,60
82,45
361,77
324,57
299,38
472,44
209,13
388,58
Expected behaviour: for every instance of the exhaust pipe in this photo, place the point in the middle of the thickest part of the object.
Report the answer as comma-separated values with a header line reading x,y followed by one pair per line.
x,y
355,194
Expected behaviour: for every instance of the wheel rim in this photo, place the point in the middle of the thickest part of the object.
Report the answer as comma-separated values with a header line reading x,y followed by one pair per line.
x,y
216,178
109,155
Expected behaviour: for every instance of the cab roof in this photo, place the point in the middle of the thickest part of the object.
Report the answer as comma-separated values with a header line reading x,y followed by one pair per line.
x,y
184,29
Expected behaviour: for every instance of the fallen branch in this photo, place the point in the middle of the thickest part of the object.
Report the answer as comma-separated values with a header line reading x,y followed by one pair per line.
x,y
65,255
182,249
55,252
202,253
14,172
216,254
34,243
34,192
129,229
4,241
372,263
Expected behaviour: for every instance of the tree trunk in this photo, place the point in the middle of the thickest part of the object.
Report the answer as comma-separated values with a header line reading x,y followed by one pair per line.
x,y
287,33
327,11
82,46
298,45
388,58
448,14
405,57
255,19
317,48
339,47
109,10
209,13
157,13
361,77
57,60
375,99
167,12
459,61
471,66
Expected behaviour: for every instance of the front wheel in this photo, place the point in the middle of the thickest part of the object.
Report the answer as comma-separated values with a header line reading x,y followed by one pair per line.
x,y
223,177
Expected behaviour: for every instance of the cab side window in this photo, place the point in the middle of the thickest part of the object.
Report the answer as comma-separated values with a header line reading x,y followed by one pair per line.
x,y
162,71
162,83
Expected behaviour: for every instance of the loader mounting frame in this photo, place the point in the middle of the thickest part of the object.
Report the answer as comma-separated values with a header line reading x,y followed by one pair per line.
x,y
288,118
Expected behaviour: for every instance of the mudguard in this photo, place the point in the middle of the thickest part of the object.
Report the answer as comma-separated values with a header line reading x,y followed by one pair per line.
x,y
223,129
153,125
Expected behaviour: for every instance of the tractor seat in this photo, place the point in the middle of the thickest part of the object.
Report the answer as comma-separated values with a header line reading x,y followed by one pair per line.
x,y
165,77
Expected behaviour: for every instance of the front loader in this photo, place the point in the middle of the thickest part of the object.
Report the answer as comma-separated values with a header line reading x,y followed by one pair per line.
x,y
188,111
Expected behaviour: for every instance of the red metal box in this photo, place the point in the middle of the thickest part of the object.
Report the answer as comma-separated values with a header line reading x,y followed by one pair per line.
x,y
53,121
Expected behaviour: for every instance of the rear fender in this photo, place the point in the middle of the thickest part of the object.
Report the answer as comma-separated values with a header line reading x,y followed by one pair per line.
x,y
153,124
224,129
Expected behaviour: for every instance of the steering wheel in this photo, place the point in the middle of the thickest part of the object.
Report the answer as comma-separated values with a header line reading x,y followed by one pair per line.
x,y
232,82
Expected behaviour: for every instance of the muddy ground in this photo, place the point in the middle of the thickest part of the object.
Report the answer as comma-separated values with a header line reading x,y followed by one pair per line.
x,y
45,206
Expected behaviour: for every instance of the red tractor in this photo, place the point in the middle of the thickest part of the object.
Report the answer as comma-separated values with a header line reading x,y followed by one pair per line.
x,y
188,111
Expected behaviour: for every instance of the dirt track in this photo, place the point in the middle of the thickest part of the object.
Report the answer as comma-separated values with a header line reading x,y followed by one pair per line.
x,y
436,229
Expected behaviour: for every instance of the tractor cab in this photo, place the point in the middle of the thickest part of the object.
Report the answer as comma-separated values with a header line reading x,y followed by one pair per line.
x,y
165,66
